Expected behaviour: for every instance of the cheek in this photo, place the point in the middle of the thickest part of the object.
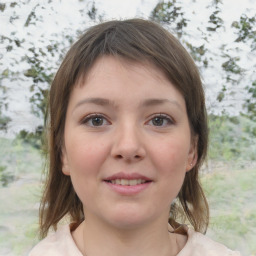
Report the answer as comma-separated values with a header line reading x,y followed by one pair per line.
x,y
169,160
173,156
85,161
85,155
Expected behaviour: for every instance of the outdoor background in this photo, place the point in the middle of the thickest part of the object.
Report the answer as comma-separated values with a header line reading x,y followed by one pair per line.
x,y
220,36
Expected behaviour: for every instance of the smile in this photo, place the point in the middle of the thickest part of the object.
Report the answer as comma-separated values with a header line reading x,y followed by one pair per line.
x,y
128,184
125,182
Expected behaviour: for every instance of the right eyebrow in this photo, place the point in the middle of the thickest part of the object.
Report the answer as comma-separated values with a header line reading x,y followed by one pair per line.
x,y
96,101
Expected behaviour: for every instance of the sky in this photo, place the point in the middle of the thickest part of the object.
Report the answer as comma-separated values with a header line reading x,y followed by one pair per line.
x,y
64,16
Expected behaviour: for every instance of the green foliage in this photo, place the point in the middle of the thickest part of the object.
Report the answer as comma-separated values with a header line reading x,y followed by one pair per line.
x,y
231,65
246,29
92,12
215,21
18,158
198,53
221,96
31,17
170,13
2,7
41,78
35,139
5,177
250,103
4,120
232,138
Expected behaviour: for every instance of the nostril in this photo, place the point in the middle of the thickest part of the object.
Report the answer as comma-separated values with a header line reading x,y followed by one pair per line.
x,y
129,158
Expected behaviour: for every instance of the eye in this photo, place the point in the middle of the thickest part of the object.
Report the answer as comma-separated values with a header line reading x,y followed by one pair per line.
x,y
95,120
160,120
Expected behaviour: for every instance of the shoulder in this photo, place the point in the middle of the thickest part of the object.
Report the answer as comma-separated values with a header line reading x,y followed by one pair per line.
x,y
59,243
199,244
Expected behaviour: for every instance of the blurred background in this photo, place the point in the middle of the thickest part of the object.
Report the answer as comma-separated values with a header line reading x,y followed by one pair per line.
x,y
221,37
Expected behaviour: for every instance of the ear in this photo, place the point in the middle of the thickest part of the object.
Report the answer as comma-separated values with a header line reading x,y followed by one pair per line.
x,y
65,164
193,154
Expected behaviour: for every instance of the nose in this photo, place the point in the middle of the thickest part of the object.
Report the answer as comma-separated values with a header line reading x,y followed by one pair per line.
x,y
128,144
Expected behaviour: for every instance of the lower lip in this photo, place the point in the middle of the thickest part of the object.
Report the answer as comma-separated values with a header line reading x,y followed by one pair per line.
x,y
128,190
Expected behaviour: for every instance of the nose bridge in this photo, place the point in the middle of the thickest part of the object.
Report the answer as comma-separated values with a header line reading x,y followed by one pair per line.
x,y
128,143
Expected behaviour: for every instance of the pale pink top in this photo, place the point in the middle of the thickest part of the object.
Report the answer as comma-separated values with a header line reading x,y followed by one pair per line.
x,y
61,243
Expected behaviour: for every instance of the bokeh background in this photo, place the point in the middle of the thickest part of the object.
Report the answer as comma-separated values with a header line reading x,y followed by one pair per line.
x,y
221,37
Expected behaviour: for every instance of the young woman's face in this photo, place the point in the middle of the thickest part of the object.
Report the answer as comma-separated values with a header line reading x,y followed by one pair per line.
x,y
127,143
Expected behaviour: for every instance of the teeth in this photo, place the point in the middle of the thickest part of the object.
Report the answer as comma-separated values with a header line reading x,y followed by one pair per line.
x,y
124,182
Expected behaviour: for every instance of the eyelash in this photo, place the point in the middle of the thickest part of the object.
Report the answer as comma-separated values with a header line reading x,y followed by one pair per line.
x,y
90,117
164,117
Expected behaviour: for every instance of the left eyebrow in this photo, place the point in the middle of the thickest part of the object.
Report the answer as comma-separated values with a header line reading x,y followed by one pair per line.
x,y
155,102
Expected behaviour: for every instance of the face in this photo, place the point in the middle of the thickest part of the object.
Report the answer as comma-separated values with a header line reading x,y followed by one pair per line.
x,y
127,143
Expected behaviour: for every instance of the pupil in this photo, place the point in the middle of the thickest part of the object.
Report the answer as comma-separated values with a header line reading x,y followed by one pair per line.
x,y
158,121
97,121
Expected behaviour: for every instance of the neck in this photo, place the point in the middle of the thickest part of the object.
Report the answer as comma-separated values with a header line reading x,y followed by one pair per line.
x,y
150,240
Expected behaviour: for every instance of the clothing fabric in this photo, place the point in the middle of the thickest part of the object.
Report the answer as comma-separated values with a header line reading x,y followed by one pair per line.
x,y
61,243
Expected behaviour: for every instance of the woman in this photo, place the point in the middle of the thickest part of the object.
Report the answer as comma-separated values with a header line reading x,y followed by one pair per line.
x,y
127,136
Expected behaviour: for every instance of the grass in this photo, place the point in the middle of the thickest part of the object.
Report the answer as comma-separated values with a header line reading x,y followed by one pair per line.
x,y
231,193
232,196
19,199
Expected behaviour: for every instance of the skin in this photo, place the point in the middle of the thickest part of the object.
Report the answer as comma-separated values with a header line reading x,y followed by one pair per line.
x,y
141,127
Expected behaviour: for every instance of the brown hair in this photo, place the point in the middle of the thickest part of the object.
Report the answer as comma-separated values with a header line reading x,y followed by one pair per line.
x,y
134,40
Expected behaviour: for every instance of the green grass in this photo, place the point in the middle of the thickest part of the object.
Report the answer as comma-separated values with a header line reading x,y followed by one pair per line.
x,y
19,199
231,196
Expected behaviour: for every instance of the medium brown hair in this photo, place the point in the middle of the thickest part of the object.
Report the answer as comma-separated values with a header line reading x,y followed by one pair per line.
x,y
135,40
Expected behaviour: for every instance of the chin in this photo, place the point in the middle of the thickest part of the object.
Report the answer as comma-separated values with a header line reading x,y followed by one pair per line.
x,y
129,219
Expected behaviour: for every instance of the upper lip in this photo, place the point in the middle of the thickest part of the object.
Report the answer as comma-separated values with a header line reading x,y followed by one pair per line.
x,y
127,176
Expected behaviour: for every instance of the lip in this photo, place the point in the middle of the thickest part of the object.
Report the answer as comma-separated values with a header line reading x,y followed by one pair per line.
x,y
128,190
127,176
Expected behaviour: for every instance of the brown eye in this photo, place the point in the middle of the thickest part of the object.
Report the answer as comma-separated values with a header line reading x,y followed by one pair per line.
x,y
95,121
157,121
161,121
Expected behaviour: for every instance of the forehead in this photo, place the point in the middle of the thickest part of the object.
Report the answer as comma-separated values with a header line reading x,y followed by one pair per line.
x,y
125,83
117,63
110,68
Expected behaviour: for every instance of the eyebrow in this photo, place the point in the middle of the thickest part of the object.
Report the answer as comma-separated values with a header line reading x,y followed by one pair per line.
x,y
155,102
96,101
145,103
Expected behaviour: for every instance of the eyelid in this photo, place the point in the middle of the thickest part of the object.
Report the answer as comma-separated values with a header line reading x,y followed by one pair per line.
x,y
88,117
167,117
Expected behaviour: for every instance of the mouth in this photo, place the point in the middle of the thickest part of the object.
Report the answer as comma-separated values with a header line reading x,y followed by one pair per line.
x,y
127,182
